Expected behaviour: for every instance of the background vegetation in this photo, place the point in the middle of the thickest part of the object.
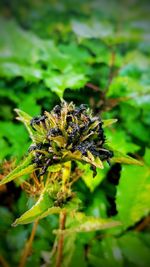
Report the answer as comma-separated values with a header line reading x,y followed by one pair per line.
x,y
91,52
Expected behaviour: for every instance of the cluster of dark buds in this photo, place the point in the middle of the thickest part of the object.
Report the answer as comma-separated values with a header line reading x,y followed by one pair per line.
x,y
68,133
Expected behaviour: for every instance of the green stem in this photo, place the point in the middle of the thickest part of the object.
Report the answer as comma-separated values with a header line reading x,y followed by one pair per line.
x,y
66,170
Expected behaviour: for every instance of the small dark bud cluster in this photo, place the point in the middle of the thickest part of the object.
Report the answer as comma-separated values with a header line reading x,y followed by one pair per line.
x,y
68,131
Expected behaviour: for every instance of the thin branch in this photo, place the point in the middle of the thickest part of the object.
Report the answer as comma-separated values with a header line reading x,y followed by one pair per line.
x,y
76,175
28,245
143,224
93,86
62,222
34,177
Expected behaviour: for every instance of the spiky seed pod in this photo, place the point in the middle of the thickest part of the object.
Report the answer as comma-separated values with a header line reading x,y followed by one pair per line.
x,y
68,133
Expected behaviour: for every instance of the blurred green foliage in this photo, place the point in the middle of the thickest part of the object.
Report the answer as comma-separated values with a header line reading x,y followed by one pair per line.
x,y
91,52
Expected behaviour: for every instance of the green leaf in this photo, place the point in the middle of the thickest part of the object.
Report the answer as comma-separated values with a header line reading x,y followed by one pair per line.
x,y
110,251
147,157
12,138
98,205
42,205
12,69
36,136
134,250
133,198
59,82
6,218
93,160
49,211
104,30
96,29
129,88
83,223
69,249
25,118
30,101
136,58
120,140
73,252
24,168
125,159
21,46
94,224
138,129
55,168
108,122
87,176
73,204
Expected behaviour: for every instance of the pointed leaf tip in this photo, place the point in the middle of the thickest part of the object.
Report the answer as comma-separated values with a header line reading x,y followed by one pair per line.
x,y
41,206
26,119
109,122
24,168
120,157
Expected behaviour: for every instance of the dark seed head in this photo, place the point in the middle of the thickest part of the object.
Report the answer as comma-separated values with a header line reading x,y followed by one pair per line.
x,y
31,148
105,154
57,109
37,120
54,132
79,131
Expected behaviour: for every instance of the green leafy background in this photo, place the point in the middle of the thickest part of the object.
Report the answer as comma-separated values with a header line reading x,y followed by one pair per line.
x,y
91,52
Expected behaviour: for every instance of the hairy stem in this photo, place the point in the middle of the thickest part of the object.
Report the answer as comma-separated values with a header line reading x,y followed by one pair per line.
x,y
28,245
59,257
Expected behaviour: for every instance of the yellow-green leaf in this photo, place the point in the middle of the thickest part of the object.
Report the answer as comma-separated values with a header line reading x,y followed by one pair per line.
x,y
52,210
122,158
96,161
42,205
133,194
24,168
87,176
83,223
25,118
108,122
55,168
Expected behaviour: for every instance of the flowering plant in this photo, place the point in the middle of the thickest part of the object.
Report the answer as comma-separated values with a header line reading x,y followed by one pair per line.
x,y
61,138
